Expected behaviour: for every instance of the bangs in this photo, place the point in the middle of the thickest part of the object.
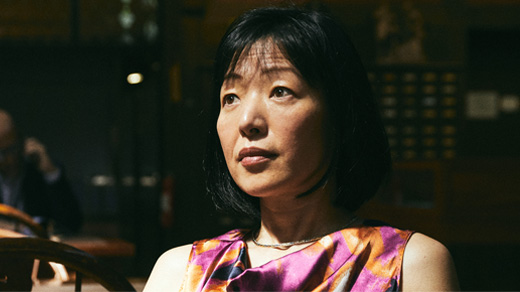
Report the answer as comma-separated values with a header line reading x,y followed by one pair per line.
x,y
262,51
293,34
263,55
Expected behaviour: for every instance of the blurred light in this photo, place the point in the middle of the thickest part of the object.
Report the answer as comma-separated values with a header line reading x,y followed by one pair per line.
x,y
102,181
510,103
134,78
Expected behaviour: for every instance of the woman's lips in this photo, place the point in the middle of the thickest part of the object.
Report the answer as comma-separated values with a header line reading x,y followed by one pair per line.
x,y
253,156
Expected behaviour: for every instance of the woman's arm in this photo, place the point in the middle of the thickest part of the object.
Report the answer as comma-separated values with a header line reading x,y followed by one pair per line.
x,y
427,266
168,272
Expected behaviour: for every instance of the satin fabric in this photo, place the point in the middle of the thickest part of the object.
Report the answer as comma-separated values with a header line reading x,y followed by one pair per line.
x,y
365,258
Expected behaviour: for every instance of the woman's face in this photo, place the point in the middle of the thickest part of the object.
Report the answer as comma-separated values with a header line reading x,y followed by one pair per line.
x,y
271,126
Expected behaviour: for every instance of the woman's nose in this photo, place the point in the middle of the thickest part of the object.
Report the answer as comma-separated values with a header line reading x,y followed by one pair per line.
x,y
252,118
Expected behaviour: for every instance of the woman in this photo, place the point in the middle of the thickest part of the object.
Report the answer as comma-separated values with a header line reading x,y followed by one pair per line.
x,y
299,146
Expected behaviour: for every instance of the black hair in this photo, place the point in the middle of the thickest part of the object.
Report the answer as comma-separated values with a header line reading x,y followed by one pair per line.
x,y
327,60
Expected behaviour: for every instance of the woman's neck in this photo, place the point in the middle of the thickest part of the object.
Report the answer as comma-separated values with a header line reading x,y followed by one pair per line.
x,y
289,219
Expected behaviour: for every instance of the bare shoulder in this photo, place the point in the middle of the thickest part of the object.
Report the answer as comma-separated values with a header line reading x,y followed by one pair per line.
x,y
428,266
168,272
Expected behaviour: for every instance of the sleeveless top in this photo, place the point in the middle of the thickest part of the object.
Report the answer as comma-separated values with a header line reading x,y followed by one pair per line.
x,y
364,258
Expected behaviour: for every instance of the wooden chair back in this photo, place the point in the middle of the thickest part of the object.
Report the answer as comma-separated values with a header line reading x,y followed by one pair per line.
x,y
20,217
17,256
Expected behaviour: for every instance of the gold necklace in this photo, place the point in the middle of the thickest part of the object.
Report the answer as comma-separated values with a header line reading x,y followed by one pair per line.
x,y
297,242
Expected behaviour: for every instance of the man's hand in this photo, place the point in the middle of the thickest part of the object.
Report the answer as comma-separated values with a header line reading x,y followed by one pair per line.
x,y
34,148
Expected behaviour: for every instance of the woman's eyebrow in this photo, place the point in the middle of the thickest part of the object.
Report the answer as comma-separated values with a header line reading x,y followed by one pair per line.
x,y
273,71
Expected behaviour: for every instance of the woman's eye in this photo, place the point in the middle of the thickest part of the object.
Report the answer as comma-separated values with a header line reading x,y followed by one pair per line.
x,y
230,99
281,92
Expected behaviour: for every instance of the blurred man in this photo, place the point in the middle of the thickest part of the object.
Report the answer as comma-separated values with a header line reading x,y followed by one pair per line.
x,y
32,182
